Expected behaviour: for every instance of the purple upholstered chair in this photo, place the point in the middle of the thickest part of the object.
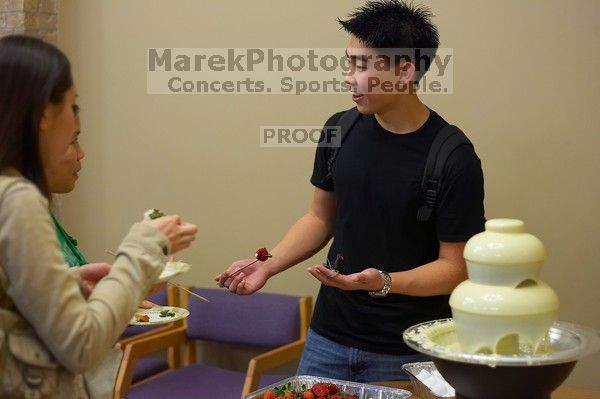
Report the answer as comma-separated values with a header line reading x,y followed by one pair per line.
x,y
274,323
150,365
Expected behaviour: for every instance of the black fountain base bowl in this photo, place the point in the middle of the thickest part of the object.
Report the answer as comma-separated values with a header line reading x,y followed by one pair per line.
x,y
480,381
492,376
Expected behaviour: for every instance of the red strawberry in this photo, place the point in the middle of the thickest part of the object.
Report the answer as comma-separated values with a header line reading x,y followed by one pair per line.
x,y
335,396
269,395
308,395
332,388
142,317
289,395
262,254
320,389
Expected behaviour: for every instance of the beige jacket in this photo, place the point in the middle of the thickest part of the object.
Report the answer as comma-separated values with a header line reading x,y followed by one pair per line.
x,y
39,290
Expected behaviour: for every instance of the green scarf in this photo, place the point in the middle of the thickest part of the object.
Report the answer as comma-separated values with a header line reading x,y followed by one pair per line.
x,y
68,246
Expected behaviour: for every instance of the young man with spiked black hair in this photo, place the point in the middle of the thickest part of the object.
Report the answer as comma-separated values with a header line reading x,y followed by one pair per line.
x,y
399,265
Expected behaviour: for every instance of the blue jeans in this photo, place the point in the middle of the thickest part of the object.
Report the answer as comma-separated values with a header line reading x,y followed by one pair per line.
x,y
325,358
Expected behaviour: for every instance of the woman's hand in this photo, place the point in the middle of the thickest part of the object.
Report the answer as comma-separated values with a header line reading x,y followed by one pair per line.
x,y
90,275
180,233
146,304
368,280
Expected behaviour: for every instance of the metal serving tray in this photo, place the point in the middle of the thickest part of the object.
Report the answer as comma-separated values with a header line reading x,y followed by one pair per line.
x,y
363,391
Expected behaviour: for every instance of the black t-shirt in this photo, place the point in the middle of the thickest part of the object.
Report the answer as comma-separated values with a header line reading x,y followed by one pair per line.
x,y
377,185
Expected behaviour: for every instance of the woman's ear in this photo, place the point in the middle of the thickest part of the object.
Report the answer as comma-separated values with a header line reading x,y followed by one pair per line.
x,y
47,118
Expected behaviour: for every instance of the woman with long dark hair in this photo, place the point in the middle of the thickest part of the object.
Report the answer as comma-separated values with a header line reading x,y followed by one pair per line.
x,y
57,323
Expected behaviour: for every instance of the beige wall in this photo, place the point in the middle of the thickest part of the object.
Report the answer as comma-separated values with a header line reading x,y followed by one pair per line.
x,y
525,91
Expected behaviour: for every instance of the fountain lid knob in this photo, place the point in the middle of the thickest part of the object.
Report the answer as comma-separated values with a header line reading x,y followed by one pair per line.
x,y
505,226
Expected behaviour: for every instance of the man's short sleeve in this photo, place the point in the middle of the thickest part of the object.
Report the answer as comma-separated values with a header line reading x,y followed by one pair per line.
x,y
320,173
460,213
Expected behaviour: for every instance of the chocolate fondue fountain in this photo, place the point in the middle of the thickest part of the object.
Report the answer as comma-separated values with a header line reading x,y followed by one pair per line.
x,y
503,341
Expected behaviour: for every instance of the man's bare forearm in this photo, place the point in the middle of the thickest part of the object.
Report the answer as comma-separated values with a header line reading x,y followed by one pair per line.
x,y
304,239
439,277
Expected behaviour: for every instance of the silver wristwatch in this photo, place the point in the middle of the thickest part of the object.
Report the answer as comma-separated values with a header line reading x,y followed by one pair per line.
x,y
387,285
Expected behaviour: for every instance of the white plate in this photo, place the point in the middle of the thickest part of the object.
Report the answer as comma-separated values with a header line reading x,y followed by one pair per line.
x,y
172,269
155,317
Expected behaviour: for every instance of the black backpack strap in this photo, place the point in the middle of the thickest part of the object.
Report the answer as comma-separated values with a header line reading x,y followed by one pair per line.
x,y
444,144
346,123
